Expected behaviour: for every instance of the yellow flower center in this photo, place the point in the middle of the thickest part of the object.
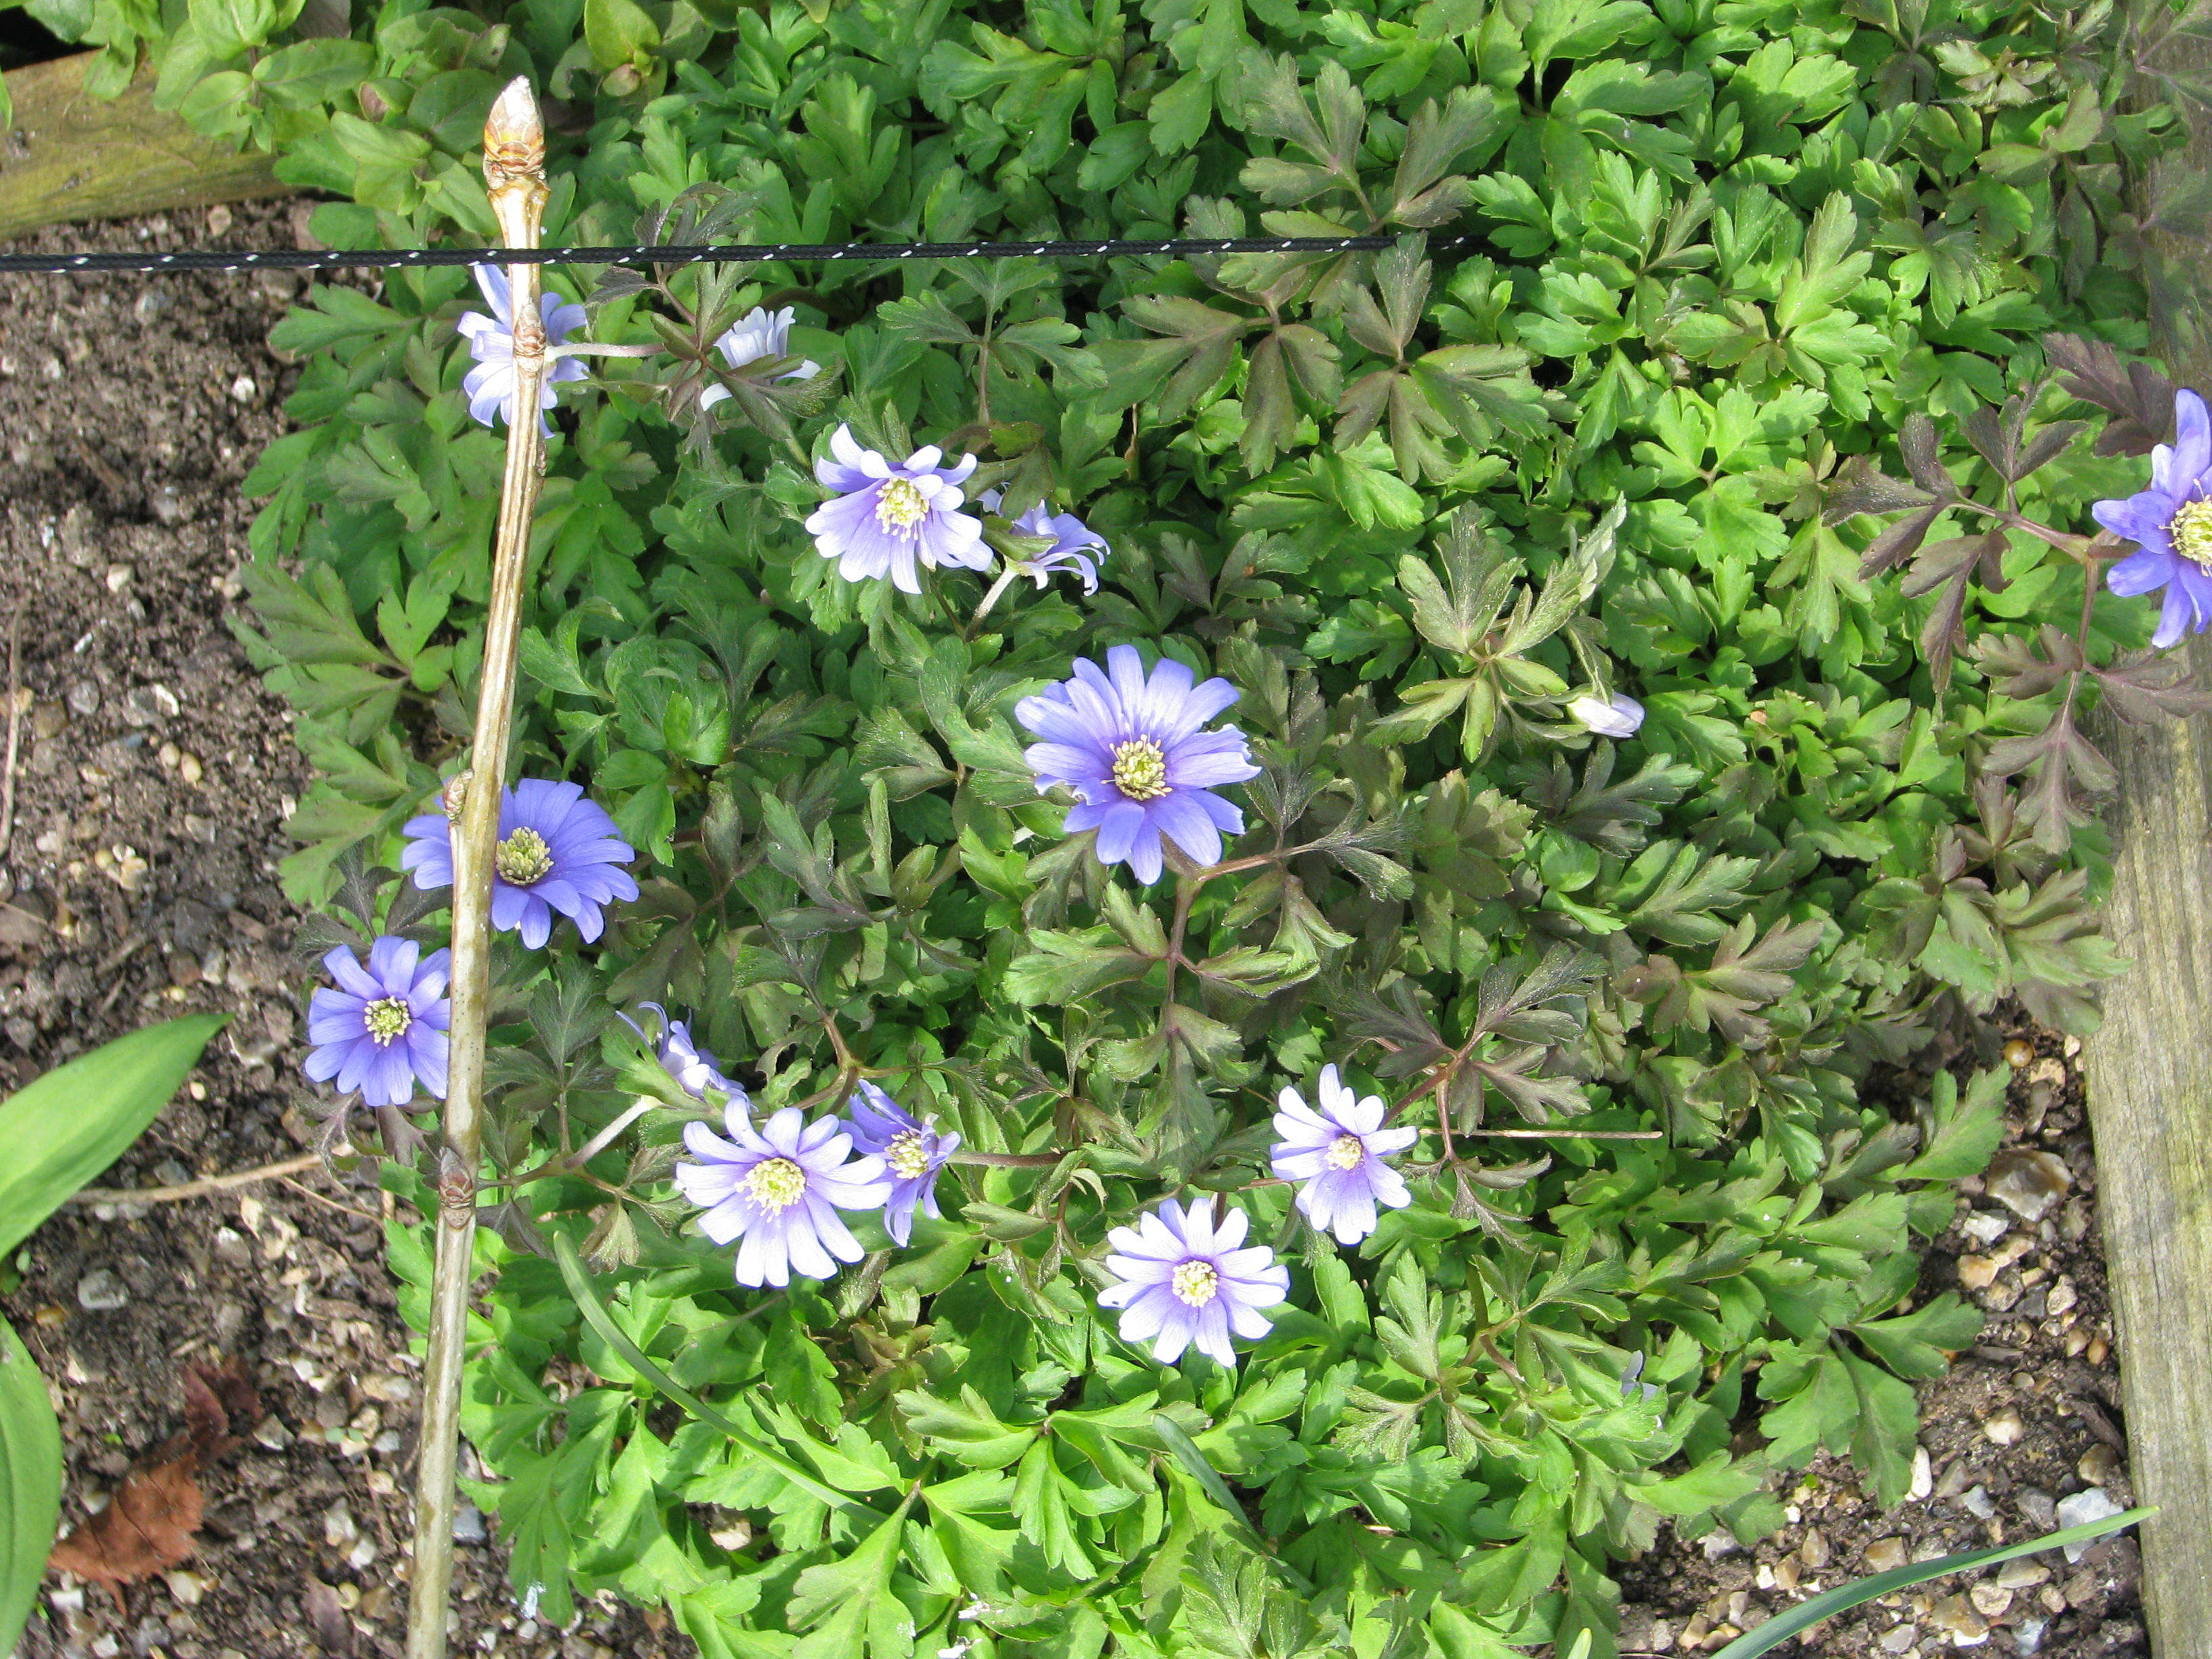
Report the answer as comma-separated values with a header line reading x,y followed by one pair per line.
x,y
907,1155
1140,770
1196,1282
523,858
900,507
387,1019
1344,1152
2191,530
776,1184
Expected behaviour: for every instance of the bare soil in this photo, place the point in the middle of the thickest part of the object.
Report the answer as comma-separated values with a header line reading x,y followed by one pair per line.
x,y
139,883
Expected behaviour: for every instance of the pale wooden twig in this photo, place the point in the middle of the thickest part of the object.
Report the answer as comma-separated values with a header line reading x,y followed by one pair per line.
x,y
514,169
206,1187
14,730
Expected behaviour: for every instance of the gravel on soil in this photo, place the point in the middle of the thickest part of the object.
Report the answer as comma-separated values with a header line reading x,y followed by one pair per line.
x,y
138,882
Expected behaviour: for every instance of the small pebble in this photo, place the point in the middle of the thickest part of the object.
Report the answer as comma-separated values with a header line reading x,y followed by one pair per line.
x,y
1716,1543
339,1527
118,577
84,697
189,767
2093,1504
1923,1476
167,506
2100,1465
1955,1617
2038,1507
2019,1053
2005,1428
187,1586
2028,1183
150,705
1990,1601
1977,1502
218,220
1976,1273
1898,1640
2027,1634
468,1523
1814,1550
1885,1554
2062,1297
242,389
1984,1226
2023,1574
101,1291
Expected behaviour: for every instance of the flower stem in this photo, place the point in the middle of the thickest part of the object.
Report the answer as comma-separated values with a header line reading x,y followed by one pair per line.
x,y
514,169
1006,578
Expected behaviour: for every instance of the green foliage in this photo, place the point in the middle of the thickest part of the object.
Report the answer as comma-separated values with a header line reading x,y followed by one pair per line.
x,y
63,1129
1736,265
30,1482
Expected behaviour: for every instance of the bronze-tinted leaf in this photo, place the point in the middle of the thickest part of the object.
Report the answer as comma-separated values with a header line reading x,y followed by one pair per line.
x,y
2139,398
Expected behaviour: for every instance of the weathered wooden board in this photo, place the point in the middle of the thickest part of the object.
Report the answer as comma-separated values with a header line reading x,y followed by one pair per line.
x,y
2150,1107
69,155
2149,1076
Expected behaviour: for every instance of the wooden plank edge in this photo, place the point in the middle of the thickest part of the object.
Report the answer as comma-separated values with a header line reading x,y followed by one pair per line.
x,y
2148,1073
69,156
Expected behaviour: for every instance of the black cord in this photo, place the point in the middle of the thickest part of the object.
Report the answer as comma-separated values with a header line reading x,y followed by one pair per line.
x,y
380,258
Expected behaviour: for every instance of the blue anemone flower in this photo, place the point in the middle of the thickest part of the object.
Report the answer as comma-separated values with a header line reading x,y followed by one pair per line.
x,y
2171,524
1128,745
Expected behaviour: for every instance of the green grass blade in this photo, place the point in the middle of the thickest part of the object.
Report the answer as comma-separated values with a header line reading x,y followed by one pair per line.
x,y
63,1129
1781,1628
30,1484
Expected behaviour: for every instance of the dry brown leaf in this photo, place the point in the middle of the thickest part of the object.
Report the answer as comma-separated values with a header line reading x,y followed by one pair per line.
x,y
220,1406
333,1630
148,1524
146,1528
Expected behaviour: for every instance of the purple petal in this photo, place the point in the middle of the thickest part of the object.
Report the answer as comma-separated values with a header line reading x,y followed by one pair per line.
x,y
1183,821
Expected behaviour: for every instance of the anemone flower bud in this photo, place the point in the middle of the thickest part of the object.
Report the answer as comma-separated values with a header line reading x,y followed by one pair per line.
x,y
1617,719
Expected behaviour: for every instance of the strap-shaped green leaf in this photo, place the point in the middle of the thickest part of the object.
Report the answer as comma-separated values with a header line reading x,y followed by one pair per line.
x,y
63,1129
30,1484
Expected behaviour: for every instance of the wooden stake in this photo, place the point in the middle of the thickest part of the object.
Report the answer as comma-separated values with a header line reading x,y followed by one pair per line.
x,y
514,169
